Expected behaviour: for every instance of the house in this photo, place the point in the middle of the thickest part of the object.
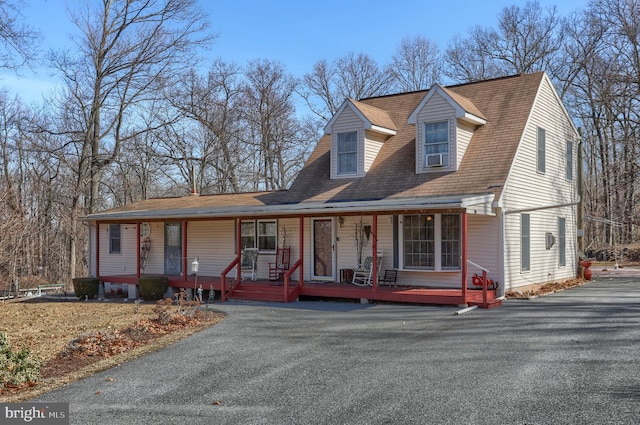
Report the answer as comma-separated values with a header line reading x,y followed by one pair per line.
x,y
453,188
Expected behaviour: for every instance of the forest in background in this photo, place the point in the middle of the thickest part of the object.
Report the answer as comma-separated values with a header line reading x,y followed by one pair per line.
x,y
138,117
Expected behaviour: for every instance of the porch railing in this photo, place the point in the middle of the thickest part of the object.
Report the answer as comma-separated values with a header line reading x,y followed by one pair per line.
x,y
223,278
485,295
287,277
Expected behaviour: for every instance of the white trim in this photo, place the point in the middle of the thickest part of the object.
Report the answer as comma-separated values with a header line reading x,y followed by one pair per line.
x,y
461,113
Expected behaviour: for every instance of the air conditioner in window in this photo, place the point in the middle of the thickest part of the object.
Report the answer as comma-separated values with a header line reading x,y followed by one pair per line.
x,y
435,160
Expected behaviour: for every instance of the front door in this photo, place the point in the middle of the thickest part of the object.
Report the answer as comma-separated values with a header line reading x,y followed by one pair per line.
x,y
173,248
322,266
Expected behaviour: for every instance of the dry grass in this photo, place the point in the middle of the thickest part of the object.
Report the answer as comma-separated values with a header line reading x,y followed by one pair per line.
x,y
46,328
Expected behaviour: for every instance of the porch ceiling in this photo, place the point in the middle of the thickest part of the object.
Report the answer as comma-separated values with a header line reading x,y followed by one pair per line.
x,y
472,204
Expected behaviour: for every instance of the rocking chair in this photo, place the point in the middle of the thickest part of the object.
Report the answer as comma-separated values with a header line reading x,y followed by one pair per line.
x,y
362,274
281,265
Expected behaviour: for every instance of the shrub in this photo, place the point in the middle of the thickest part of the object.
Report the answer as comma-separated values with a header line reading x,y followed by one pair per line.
x,y
16,368
86,287
152,288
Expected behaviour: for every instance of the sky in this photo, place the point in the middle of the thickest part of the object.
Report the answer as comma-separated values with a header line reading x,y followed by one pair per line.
x,y
295,33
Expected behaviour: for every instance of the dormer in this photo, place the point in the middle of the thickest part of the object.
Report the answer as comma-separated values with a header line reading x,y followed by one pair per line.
x,y
445,123
358,132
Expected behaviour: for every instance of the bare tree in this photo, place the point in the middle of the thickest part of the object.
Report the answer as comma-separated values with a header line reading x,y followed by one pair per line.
x,y
352,76
18,39
416,64
126,51
527,39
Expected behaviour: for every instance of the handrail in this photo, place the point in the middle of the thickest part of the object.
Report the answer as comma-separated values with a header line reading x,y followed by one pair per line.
x,y
287,276
223,278
478,266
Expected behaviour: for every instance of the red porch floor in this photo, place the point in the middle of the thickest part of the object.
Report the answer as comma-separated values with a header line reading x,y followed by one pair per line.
x,y
265,290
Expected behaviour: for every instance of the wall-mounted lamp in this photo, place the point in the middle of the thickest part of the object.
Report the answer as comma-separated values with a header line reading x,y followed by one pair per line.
x,y
340,220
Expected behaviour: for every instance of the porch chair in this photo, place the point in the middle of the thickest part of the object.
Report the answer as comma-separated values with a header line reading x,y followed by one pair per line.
x,y
362,274
281,265
248,263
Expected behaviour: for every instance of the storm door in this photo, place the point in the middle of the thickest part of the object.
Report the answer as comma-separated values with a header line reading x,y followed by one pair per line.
x,y
323,252
173,248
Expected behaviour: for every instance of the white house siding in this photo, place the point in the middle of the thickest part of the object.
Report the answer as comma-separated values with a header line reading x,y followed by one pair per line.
x,y
463,137
347,121
92,249
436,109
544,262
372,144
213,242
528,189
125,262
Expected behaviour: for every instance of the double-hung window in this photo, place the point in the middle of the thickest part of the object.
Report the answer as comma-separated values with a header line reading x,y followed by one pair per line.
x,y
431,242
261,234
115,239
541,150
436,144
347,153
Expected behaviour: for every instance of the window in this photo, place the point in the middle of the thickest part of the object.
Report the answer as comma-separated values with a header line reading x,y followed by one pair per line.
x,y
450,241
569,160
115,239
419,242
261,234
436,144
562,242
525,242
431,241
541,150
347,153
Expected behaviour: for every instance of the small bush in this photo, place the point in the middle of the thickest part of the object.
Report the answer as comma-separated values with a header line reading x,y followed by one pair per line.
x,y
16,368
86,287
152,288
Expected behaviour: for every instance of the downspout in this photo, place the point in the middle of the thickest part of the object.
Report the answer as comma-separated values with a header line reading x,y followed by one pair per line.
x,y
580,214
464,257
98,249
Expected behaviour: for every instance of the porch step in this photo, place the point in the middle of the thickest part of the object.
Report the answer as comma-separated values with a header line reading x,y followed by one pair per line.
x,y
257,293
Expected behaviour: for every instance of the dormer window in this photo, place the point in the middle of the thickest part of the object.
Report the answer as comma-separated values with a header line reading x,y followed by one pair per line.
x,y
436,144
347,153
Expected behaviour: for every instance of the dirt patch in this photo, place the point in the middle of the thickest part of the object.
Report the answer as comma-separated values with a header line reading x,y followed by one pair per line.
x,y
76,339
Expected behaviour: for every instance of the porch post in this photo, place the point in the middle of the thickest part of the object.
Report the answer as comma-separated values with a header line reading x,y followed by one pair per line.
x,y
464,257
301,248
374,246
138,245
97,249
184,251
238,249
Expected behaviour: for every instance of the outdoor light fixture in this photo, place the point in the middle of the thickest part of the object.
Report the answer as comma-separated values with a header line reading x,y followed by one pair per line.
x,y
194,269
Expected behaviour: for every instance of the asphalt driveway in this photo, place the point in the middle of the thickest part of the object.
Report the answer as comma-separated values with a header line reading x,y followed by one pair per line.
x,y
568,358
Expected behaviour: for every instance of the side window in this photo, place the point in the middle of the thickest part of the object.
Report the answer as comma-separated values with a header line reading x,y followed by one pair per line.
x,y
525,242
436,144
569,160
562,242
541,160
115,239
347,153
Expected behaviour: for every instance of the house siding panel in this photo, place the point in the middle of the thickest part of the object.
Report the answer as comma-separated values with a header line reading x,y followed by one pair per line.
x,y
463,137
484,246
372,144
124,262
